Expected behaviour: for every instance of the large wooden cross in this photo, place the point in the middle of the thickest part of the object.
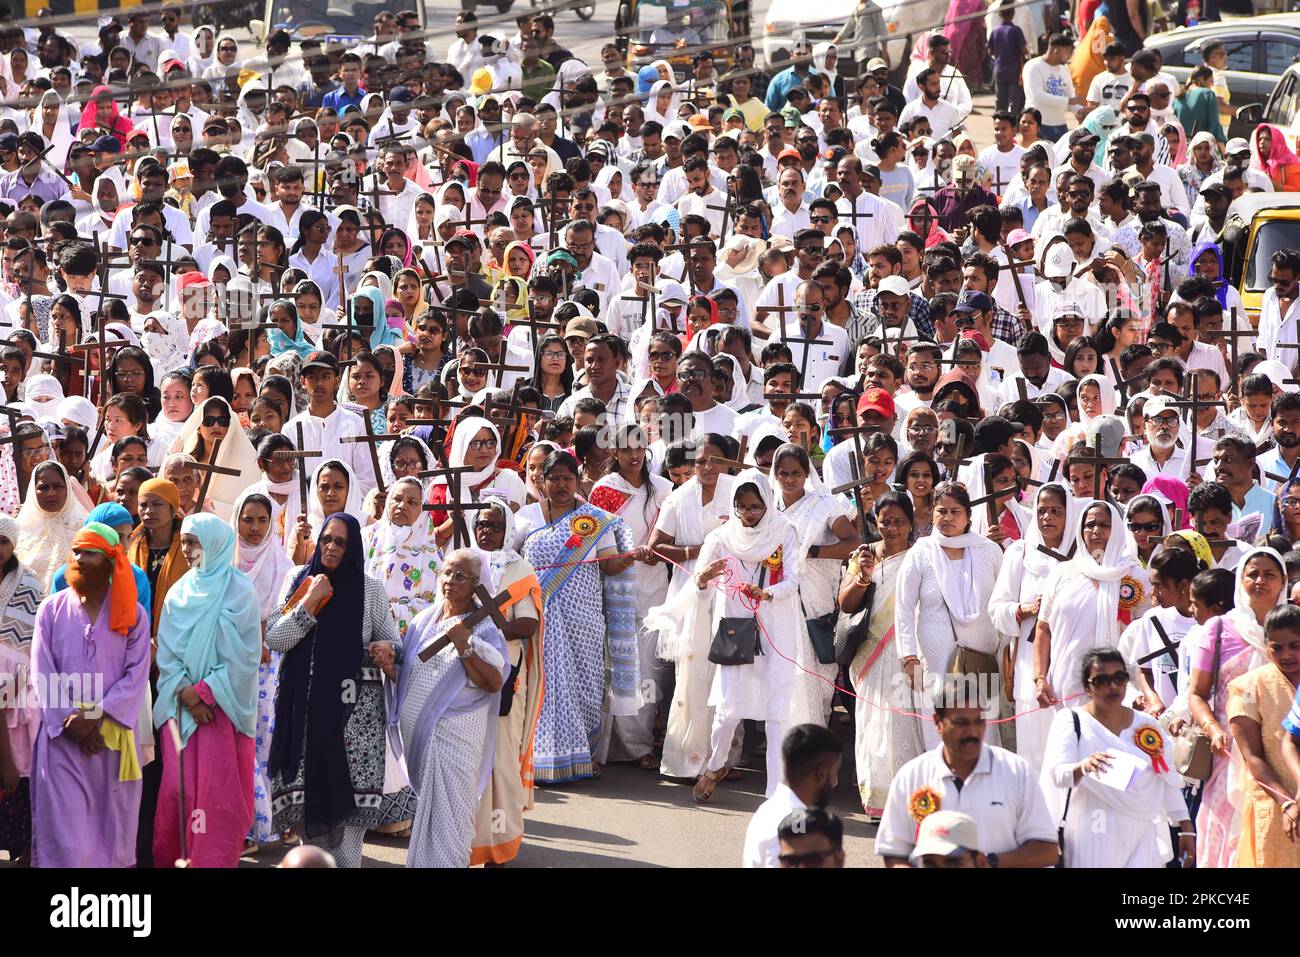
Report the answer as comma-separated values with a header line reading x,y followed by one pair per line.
x,y
489,607
208,470
1192,402
300,455
1096,460
990,499
859,480
372,441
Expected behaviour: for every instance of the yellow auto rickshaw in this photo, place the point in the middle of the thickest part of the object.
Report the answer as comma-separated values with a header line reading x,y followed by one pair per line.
x,y
676,30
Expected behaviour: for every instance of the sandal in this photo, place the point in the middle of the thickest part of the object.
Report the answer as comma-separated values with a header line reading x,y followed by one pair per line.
x,y
707,783
289,837
648,762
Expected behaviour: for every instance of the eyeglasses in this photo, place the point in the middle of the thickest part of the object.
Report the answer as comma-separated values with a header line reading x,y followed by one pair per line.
x,y
341,543
922,429
661,356
750,509
482,445
816,251
1291,502
1119,679
130,375
487,526
686,375
1148,527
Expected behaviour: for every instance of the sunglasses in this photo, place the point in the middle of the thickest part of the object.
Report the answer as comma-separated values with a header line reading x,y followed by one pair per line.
x,y
341,543
221,420
1119,679
1148,527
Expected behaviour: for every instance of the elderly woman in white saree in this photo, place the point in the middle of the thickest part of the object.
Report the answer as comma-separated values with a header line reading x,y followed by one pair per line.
x,y
444,711
826,538
1115,765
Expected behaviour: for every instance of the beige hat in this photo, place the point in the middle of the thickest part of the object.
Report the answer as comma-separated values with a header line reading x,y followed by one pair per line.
x,y
582,327
876,63
780,244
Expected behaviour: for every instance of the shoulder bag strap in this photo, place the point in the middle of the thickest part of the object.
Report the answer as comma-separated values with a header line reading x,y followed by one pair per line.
x,y
1078,736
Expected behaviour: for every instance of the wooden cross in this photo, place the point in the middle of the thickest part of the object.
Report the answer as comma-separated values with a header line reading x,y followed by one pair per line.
x,y
1096,460
1012,264
488,607
375,192
854,215
957,458
990,499
61,358
513,407
648,301
730,207
859,480
807,343
300,455
208,471
1233,337
1121,383
1050,553
102,346
1168,649
1192,402
372,441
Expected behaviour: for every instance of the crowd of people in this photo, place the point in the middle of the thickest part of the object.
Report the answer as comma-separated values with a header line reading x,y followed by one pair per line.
x,y
666,414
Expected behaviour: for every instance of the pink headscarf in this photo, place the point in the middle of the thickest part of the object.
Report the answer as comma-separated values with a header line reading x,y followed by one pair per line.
x,y
935,235
118,125
1174,490
1279,156
1180,154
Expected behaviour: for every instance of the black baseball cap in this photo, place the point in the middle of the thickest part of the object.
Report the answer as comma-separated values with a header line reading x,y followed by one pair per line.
x,y
321,359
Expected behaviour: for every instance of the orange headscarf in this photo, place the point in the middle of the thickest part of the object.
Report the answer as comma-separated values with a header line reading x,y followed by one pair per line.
x,y
122,595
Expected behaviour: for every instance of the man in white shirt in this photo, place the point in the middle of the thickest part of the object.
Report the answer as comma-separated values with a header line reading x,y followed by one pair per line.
x,y
325,422
1277,311
465,52
1111,85
812,756
701,198
817,347
790,215
1049,87
943,116
1161,455
598,272
1001,161
996,788
695,382
953,87
396,193
144,46
1173,195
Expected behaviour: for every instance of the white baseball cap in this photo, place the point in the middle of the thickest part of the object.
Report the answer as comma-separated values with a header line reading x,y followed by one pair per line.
x,y
945,833
895,285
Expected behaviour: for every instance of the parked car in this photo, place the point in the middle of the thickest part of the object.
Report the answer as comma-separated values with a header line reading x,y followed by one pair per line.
x,y
1259,50
1258,225
820,20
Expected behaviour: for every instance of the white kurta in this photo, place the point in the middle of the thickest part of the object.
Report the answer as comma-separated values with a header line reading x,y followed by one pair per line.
x,y
1017,583
1105,827
925,628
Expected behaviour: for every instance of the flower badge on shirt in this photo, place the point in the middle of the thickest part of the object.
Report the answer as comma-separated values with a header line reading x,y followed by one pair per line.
x,y
1131,594
923,802
1152,744
583,526
775,565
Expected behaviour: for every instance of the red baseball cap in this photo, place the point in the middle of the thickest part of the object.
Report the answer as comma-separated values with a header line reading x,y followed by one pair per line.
x,y
876,400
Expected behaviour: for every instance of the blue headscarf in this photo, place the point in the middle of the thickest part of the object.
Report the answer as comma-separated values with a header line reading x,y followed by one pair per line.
x,y
646,77
329,655
1220,284
111,514
210,631
280,343
382,334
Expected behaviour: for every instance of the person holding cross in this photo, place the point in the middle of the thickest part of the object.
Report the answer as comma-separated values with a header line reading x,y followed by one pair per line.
x,y
325,423
336,633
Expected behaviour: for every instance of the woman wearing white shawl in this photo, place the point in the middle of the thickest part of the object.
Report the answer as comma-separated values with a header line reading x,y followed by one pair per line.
x,y
264,562
758,551
662,102
942,601
224,68
1107,825
820,52
1014,603
1088,411
639,344
104,204
316,512
236,452
486,479
50,120
1087,601
973,478
826,538
45,537
684,623
203,50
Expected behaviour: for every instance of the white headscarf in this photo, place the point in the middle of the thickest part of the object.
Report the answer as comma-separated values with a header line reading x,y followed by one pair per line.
x,y
197,62
956,578
266,563
1036,563
756,543
353,505
45,537
465,432
651,109
1119,560
504,556
62,137
236,452
1242,618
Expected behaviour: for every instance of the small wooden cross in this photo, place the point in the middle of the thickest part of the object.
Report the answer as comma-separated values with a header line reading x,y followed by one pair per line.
x,y
209,470
488,607
372,442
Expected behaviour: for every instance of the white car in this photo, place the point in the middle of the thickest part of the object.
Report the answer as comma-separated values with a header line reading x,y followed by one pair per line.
x,y
820,20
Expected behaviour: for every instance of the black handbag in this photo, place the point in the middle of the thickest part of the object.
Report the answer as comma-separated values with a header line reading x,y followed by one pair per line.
x,y
852,628
735,642
821,632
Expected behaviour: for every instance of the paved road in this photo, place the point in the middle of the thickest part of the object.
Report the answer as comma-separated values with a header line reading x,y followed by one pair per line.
x,y
635,818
